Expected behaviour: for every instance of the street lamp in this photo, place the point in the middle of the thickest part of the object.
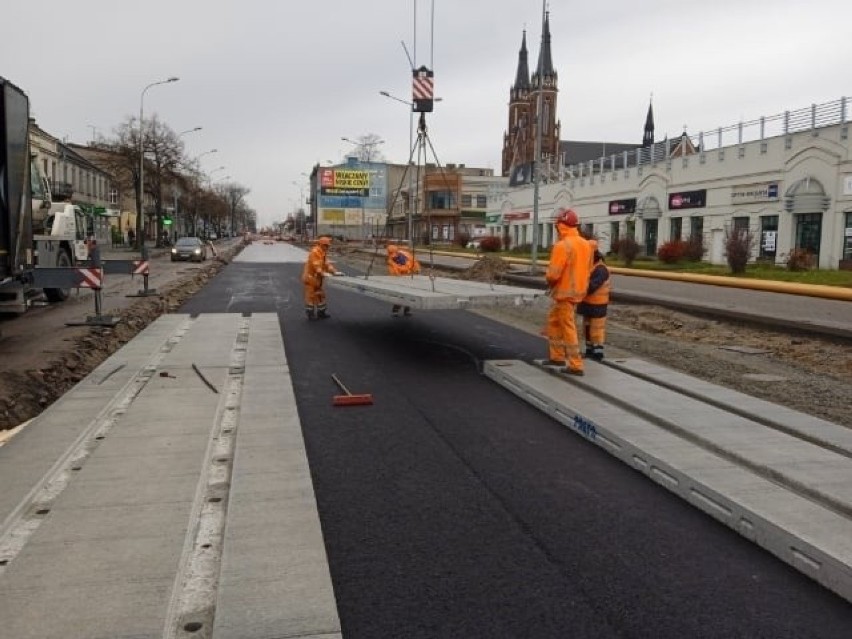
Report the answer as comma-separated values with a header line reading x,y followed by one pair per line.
x,y
141,212
210,174
175,187
198,128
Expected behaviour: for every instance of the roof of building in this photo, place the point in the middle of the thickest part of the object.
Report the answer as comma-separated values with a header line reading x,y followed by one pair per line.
x,y
576,152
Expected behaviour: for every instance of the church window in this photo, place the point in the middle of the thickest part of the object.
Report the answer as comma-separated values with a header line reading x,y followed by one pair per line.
x,y
546,126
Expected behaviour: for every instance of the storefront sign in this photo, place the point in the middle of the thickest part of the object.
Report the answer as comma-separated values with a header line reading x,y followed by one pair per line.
x,y
514,217
617,207
688,199
745,193
494,218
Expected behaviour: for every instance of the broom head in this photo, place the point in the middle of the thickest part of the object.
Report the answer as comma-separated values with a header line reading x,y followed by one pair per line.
x,y
353,400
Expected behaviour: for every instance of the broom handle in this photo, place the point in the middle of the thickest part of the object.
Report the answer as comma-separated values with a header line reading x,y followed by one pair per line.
x,y
339,383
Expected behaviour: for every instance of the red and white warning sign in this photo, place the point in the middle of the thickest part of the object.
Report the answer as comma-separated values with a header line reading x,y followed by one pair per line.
x,y
90,277
140,267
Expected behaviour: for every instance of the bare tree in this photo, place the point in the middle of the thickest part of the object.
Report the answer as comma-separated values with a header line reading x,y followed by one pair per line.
x,y
367,148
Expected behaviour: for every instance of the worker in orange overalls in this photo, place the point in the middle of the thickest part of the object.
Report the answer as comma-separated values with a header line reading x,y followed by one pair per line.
x,y
567,280
594,305
316,268
401,262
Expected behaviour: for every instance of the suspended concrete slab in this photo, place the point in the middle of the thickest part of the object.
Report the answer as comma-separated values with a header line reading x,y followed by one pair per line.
x,y
439,293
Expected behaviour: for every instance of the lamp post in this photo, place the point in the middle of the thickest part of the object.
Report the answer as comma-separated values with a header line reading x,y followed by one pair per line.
x,y
141,212
367,155
175,186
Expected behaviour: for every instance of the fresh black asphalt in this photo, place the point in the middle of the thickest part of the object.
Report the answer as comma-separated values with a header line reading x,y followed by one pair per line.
x,y
451,508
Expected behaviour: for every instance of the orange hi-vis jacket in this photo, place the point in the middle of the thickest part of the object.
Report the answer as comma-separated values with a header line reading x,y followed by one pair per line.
x,y
570,266
402,262
316,266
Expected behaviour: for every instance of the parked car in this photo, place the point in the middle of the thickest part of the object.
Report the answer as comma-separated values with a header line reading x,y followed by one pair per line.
x,y
189,248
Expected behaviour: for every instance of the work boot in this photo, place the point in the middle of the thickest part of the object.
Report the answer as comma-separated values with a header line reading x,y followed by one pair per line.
x,y
590,353
575,371
323,314
407,312
311,315
553,362
395,311
598,352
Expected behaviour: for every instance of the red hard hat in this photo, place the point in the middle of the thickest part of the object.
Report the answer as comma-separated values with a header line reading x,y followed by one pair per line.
x,y
568,217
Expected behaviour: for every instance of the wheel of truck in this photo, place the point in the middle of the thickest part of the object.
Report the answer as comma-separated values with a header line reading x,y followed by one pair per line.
x,y
63,260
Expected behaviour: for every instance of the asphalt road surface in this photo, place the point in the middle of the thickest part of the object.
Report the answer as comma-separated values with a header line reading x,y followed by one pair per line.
x,y
450,508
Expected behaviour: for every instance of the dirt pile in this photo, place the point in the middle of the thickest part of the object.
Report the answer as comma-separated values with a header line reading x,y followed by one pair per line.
x,y
25,394
489,268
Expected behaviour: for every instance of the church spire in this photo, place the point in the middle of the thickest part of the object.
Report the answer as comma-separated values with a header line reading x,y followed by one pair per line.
x,y
648,138
545,59
522,78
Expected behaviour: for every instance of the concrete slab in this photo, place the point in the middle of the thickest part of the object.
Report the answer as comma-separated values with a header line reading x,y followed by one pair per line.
x,y
439,293
783,518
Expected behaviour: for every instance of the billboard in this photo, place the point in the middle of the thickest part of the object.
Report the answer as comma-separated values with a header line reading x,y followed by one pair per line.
x,y
344,182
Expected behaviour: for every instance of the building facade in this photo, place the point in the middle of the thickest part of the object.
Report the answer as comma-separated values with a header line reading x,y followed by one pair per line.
x,y
786,178
76,180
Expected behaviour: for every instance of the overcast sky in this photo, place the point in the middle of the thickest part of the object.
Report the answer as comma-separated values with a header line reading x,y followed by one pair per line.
x,y
275,84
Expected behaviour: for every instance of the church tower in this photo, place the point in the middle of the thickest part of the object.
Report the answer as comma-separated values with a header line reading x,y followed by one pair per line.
x,y
515,136
545,80
519,138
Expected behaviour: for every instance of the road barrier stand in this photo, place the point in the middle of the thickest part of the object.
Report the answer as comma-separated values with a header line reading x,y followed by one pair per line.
x,y
141,267
92,277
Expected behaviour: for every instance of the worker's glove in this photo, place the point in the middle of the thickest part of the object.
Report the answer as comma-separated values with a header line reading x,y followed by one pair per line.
x,y
339,273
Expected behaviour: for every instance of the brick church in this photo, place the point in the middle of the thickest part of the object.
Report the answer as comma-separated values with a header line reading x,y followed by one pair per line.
x,y
519,138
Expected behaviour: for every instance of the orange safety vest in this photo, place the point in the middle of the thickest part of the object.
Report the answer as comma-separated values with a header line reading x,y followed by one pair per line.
x,y
315,265
402,262
601,294
570,266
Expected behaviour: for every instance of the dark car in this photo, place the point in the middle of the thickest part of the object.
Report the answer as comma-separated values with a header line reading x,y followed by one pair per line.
x,y
189,248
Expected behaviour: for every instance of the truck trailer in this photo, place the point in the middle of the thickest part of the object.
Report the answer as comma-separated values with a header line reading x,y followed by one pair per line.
x,y
40,245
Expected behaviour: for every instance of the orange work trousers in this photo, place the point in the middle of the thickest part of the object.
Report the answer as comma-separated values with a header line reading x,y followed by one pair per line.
x,y
594,329
314,296
562,341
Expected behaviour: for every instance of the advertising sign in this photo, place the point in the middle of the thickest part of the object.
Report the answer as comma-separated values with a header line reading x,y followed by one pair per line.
x,y
768,243
332,216
746,193
688,199
344,182
515,216
617,207
847,185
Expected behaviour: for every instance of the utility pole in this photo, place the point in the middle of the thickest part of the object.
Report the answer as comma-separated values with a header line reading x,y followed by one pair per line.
x,y
537,153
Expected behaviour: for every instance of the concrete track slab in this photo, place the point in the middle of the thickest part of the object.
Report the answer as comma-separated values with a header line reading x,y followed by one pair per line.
x,y
439,293
795,511
130,470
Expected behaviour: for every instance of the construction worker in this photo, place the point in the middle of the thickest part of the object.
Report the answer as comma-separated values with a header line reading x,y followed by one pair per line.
x,y
594,305
316,268
568,280
401,262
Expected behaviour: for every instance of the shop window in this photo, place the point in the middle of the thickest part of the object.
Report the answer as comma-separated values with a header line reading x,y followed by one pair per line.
x,y
676,228
768,236
847,238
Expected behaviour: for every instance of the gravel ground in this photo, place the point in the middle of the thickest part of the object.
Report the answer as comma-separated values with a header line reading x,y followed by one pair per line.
x,y
808,374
